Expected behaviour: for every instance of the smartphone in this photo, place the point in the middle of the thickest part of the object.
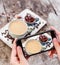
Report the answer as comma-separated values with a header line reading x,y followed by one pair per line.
x,y
38,43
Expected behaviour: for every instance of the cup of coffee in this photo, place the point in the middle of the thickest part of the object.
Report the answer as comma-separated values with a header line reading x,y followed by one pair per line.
x,y
18,28
33,46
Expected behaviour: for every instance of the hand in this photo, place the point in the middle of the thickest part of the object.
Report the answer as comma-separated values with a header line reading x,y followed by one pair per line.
x,y
56,42
17,57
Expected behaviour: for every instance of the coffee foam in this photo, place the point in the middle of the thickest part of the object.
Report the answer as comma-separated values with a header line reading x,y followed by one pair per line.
x,y
33,46
18,27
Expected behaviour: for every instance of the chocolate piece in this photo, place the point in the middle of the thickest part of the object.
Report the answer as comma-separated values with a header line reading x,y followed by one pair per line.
x,y
36,25
9,37
6,33
48,44
3,33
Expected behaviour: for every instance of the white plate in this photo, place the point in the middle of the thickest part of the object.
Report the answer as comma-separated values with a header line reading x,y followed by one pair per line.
x,y
22,14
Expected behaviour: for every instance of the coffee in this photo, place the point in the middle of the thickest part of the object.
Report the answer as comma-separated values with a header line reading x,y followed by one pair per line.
x,y
33,46
18,27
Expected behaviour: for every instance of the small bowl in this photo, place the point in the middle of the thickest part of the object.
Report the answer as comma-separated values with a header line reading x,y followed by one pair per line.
x,y
29,19
17,35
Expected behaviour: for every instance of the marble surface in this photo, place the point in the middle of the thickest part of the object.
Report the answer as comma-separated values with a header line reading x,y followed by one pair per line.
x,y
47,9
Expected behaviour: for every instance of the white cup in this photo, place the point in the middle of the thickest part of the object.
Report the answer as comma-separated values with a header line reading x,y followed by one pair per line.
x,y
14,24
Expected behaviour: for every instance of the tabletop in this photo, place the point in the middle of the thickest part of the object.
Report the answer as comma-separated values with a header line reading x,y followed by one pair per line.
x,y
49,10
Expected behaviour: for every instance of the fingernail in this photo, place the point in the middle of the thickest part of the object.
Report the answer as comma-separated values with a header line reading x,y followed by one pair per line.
x,y
18,47
54,39
49,53
15,38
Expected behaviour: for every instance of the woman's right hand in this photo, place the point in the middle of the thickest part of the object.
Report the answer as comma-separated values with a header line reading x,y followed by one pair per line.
x,y
56,42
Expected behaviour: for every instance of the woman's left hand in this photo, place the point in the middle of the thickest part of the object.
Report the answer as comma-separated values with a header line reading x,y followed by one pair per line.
x,y
17,57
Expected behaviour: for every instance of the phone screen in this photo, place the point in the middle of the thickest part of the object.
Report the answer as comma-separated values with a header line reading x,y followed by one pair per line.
x,y
37,44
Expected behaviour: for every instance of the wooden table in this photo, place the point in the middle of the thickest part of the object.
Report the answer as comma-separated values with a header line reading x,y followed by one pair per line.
x,y
47,9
